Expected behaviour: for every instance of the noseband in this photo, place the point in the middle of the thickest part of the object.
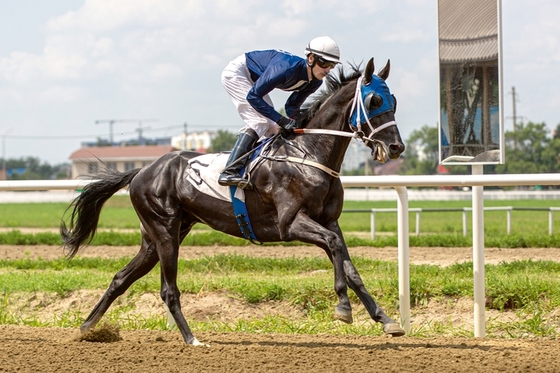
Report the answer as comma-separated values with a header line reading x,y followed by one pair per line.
x,y
359,114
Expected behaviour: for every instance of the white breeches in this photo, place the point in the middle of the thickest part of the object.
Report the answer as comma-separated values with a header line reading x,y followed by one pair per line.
x,y
237,82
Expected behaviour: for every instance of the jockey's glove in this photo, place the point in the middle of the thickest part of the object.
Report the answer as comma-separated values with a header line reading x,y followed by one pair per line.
x,y
288,125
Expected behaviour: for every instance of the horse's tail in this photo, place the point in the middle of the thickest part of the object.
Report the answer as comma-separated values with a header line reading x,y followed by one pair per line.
x,y
86,208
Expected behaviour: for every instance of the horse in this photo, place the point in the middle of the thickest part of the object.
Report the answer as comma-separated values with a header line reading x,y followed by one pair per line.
x,y
296,195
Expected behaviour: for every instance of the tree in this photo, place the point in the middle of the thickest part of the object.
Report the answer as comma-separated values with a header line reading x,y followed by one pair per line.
x,y
421,154
528,150
224,141
33,169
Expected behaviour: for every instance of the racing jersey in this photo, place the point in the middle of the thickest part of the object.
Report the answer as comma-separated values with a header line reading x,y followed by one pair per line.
x,y
270,69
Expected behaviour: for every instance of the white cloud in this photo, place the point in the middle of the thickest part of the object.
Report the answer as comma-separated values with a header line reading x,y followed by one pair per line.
x,y
166,71
61,63
20,67
285,27
163,58
298,7
404,35
62,94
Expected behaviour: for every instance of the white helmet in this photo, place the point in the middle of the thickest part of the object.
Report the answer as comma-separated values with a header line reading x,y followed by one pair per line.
x,y
325,47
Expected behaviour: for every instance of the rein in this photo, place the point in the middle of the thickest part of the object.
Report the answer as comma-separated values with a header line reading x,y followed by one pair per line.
x,y
358,106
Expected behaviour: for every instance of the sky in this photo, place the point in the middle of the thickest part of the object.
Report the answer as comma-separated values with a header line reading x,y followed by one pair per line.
x,y
69,66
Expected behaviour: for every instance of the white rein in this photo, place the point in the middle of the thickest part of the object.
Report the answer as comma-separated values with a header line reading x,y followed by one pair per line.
x,y
357,104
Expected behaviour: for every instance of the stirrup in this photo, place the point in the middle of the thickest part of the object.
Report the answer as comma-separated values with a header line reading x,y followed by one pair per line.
x,y
245,185
240,183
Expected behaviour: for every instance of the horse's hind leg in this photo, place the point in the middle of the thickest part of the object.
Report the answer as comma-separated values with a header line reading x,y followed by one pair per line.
x,y
168,256
138,267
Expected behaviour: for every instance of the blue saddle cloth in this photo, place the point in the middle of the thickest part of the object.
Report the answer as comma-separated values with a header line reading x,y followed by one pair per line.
x,y
240,208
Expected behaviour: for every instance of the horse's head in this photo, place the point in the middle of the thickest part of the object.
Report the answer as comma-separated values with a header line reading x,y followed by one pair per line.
x,y
372,116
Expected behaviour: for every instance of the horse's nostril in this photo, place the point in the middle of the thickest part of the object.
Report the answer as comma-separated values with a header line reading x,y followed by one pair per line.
x,y
396,148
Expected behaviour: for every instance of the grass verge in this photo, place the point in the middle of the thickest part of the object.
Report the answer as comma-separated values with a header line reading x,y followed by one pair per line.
x,y
51,293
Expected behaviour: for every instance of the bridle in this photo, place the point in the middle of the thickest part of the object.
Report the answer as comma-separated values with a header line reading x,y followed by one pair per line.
x,y
359,115
357,110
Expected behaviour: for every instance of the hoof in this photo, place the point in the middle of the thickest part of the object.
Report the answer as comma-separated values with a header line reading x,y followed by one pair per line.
x,y
344,315
394,329
196,342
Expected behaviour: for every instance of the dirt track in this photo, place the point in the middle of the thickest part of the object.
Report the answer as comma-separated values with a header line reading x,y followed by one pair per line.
x,y
24,349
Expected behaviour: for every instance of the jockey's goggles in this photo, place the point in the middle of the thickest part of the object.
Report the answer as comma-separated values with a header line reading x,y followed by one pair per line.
x,y
324,64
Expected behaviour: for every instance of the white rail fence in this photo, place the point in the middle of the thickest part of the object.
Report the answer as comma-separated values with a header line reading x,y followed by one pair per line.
x,y
465,210
477,180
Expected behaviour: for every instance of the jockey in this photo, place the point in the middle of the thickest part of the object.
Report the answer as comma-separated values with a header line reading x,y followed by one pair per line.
x,y
252,76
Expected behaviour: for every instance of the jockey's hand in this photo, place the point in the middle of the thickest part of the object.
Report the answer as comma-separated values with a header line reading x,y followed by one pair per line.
x,y
288,126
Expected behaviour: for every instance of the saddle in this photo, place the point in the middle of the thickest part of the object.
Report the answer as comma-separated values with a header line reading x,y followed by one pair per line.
x,y
203,172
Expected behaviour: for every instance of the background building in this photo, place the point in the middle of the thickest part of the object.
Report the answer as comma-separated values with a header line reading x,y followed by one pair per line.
x,y
135,153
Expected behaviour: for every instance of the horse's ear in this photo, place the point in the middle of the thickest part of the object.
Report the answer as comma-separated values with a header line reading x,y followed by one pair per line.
x,y
370,68
384,73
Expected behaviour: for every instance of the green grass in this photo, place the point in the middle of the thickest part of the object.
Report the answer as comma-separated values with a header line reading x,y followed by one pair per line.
x,y
529,228
509,285
452,222
117,214
529,288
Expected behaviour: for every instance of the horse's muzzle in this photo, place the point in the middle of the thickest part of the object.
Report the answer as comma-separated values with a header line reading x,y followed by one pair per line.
x,y
380,151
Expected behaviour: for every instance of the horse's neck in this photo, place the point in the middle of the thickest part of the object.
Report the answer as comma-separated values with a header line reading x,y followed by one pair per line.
x,y
329,149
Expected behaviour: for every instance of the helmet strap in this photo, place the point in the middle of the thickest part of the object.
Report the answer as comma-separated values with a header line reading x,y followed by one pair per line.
x,y
312,64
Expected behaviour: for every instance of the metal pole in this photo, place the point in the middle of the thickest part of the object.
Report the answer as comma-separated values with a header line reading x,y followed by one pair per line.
x,y
4,157
4,153
403,255
478,255
372,224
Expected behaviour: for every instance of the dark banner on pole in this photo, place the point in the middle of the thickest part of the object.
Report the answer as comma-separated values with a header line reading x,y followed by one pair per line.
x,y
470,76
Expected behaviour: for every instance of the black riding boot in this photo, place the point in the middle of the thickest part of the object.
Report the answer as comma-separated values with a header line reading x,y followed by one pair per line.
x,y
230,174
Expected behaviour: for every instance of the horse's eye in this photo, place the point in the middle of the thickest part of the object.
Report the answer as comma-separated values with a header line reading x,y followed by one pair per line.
x,y
373,101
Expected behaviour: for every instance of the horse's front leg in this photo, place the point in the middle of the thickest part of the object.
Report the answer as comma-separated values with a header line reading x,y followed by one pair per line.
x,y
355,283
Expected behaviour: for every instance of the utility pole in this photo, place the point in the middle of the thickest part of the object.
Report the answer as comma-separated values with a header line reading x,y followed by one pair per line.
x,y
5,171
113,121
514,117
514,98
141,129
184,145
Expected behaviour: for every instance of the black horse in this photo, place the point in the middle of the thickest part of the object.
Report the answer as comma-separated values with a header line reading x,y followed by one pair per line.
x,y
297,195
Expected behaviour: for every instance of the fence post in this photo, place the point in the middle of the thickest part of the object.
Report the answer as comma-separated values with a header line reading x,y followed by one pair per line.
x,y
372,224
403,258
551,221
509,220
465,222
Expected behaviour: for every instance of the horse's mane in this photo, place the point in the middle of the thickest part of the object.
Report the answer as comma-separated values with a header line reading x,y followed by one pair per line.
x,y
333,84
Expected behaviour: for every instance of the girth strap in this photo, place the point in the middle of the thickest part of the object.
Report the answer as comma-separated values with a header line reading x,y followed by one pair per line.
x,y
307,162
